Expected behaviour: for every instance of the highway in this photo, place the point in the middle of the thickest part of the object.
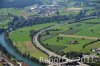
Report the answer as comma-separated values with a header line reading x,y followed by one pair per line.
x,y
42,48
50,53
37,44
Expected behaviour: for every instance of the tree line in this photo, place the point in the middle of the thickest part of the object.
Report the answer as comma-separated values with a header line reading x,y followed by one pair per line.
x,y
20,22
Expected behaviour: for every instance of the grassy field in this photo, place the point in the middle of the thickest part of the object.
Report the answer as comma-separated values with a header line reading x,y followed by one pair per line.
x,y
86,30
15,11
64,11
22,40
56,48
27,47
92,20
68,47
24,33
89,47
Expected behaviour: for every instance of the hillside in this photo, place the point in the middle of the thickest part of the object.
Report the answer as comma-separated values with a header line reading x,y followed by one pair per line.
x,y
18,3
23,3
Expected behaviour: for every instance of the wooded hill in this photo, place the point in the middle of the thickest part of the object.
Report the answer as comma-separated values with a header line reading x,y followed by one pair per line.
x,y
23,3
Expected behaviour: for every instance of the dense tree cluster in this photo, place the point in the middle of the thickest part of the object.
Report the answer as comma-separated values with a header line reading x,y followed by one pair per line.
x,y
19,22
1,30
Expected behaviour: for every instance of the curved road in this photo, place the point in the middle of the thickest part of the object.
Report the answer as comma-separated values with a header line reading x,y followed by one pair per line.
x,y
37,44
50,53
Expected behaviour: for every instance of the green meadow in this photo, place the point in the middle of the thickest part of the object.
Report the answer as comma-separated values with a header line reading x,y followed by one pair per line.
x,y
22,40
21,37
16,11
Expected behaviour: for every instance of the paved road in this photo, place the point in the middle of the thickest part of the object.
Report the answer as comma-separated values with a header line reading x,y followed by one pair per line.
x,y
37,44
50,53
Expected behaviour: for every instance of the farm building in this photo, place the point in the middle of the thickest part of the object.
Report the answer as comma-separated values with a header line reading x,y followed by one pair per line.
x,y
73,42
97,50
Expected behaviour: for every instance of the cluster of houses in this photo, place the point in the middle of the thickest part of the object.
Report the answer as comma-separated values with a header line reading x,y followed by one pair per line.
x,y
4,62
50,9
97,50
44,9
73,42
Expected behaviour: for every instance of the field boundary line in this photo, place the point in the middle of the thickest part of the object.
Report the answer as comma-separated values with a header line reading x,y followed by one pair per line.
x,y
77,36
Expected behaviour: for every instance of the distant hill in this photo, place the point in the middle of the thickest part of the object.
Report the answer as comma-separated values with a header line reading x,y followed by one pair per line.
x,y
19,3
23,3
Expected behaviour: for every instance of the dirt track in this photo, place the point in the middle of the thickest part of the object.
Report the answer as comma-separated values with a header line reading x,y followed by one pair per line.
x,y
76,36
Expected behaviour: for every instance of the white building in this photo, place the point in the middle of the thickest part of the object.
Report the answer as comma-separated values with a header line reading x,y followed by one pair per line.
x,y
55,2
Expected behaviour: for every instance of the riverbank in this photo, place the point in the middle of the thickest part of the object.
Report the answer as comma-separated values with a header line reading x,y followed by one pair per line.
x,y
26,55
11,50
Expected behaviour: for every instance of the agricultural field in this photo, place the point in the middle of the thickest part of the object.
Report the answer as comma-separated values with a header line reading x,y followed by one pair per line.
x,y
64,11
28,48
89,47
80,32
64,42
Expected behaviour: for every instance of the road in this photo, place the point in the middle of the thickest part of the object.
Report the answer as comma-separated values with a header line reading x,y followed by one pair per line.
x,y
50,53
37,44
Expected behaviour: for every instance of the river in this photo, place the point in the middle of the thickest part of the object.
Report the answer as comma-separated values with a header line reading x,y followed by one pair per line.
x,y
14,53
